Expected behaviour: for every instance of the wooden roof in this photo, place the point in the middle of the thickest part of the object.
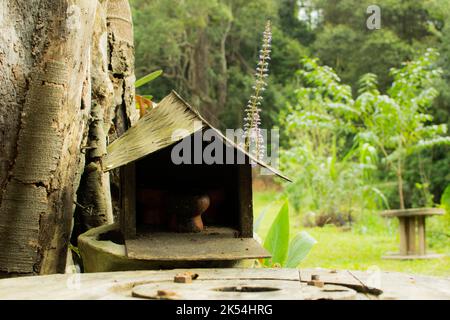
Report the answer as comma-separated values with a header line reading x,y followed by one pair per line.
x,y
154,131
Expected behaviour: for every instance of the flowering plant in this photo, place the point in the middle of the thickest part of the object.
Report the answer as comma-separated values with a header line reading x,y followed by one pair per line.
x,y
253,139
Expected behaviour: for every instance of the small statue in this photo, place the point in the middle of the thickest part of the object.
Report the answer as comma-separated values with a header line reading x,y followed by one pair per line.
x,y
186,209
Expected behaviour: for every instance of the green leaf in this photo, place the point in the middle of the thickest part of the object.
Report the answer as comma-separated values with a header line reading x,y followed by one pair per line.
x,y
432,142
149,97
381,195
260,218
75,249
445,198
150,77
277,239
299,249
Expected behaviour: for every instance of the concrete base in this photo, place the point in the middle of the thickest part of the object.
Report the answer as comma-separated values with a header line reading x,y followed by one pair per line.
x,y
102,250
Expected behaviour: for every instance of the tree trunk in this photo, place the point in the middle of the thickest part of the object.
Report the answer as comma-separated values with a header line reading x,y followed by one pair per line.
x,y
400,179
111,114
58,96
222,84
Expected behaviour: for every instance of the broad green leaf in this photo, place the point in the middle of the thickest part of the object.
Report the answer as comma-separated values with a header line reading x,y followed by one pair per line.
x,y
150,77
277,239
299,248
260,218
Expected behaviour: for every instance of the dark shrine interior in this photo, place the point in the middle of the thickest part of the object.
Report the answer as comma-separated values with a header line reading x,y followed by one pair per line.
x,y
157,177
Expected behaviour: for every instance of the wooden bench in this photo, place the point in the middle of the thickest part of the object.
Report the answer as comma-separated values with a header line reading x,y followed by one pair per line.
x,y
412,232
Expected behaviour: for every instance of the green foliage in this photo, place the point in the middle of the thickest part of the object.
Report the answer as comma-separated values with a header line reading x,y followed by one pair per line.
x,y
148,78
75,250
207,50
284,253
398,124
277,240
438,227
343,30
344,43
337,145
362,246
299,248
331,175
145,101
445,199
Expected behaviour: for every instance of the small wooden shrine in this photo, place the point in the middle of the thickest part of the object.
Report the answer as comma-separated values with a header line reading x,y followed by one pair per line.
x,y
191,211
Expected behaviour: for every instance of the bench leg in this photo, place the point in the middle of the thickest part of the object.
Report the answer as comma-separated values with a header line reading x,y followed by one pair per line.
x,y
411,236
403,224
422,239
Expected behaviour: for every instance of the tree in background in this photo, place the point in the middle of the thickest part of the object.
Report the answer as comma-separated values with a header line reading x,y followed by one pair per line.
x,y
335,141
407,27
397,124
208,50
331,179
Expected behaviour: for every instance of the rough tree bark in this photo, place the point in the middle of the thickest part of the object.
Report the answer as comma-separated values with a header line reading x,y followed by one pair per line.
x,y
66,74
111,114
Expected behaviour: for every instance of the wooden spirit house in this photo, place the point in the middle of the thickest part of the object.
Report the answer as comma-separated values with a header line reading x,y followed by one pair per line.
x,y
194,211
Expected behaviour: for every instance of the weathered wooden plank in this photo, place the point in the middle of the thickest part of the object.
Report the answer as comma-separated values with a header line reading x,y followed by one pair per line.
x,y
413,212
403,228
119,285
358,282
156,130
244,187
211,244
241,289
248,273
411,235
421,232
153,132
412,232
396,256
128,198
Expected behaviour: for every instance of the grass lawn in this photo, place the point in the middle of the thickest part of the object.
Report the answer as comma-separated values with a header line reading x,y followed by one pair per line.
x,y
360,248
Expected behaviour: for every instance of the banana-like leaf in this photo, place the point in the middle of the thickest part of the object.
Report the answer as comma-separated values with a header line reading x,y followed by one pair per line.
x,y
299,249
145,79
277,239
260,218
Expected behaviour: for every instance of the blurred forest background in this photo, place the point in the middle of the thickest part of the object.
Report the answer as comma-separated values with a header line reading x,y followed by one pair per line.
x,y
208,50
